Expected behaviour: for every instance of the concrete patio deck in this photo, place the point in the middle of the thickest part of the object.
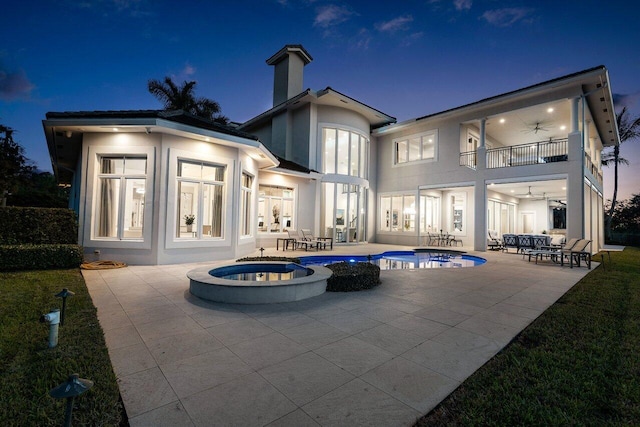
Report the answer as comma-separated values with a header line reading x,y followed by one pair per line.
x,y
379,357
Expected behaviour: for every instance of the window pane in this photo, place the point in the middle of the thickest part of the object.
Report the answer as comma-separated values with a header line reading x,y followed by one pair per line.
x,y
112,165
409,213
212,209
134,166
364,144
428,147
107,207
401,151
276,212
133,208
212,173
187,208
385,213
396,209
287,214
329,150
355,150
414,149
190,170
343,152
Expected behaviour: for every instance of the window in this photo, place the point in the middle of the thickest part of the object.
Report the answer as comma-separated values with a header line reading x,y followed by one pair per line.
x,y
119,210
200,200
275,209
429,214
245,204
416,147
344,152
398,213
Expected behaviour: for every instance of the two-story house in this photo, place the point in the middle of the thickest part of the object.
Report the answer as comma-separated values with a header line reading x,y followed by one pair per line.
x,y
157,187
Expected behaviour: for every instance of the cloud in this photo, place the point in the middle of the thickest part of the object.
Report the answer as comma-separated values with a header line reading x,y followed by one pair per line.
x,y
361,40
507,16
462,4
188,70
628,100
330,15
14,85
395,24
411,38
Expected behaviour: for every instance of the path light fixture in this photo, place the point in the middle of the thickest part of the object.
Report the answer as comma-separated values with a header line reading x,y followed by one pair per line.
x,y
261,252
64,294
69,389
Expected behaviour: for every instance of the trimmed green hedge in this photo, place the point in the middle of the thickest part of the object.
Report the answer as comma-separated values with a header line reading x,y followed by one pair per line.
x,y
348,277
37,226
39,257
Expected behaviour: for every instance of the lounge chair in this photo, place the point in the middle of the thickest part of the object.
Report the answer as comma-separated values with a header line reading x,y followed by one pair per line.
x,y
556,253
576,253
308,236
493,241
298,241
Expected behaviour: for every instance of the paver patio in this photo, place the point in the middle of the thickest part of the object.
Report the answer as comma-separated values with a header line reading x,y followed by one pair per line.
x,y
379,357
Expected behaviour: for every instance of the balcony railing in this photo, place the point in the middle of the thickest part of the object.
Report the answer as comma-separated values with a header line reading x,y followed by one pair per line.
x,y
591,167
468,159
528,154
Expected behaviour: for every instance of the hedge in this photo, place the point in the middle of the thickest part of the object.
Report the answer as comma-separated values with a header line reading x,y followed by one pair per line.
x,y
348,277
37,226
39,257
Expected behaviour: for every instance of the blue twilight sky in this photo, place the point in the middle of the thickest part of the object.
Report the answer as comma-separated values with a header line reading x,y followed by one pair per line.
x,y
407,58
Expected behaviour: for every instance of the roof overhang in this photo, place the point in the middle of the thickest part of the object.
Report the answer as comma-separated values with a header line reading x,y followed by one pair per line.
x,y
591,85
64,138
328,97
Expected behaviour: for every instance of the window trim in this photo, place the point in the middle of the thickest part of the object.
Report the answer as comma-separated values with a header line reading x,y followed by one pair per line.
x,y
294,199
170,220
94,154
401,214
363,164
250,191
407,139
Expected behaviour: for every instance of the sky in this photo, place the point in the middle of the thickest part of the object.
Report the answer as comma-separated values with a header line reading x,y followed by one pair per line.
x,y
407,58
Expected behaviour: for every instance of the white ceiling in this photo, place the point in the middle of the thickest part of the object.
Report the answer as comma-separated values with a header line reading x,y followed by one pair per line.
x,y
551,189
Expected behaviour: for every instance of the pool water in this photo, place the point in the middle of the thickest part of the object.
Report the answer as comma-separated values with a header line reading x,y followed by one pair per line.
x,y
261,272
397,260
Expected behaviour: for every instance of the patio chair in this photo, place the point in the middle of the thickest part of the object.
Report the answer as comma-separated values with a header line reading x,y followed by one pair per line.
x,y
298,241
509,241
576,253
525,241
308,236
493,241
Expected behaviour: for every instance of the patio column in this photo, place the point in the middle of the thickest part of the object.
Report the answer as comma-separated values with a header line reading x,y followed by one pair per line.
x,y
481,151
575,186
480,215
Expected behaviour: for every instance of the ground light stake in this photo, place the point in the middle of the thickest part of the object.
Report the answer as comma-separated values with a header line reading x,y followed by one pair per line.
x,y
64,294
73,387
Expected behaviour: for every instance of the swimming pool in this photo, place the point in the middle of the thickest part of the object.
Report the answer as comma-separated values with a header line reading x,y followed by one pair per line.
x,y
397,260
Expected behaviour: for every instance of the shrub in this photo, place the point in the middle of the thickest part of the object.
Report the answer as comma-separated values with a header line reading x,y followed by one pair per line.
x,y
348,277
37,226
39,257
269,258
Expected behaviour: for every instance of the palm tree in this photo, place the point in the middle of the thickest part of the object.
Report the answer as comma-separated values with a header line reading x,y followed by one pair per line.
x,y
183,98
628,129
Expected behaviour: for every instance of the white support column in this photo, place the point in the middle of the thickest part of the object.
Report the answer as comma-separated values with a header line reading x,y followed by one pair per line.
x,y
483,126
575,116
480,216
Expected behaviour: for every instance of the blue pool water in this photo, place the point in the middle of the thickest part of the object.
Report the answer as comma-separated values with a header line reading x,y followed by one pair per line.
x,y
395,260
261,272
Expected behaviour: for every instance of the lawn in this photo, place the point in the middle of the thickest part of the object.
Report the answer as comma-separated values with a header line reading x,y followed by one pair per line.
x,y
577,364
29,369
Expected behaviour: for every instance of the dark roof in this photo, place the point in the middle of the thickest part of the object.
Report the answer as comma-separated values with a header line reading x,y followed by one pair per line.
x,y
292,166
513,92
177,116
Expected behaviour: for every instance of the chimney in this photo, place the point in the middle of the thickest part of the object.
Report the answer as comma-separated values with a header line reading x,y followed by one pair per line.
x,y
288,65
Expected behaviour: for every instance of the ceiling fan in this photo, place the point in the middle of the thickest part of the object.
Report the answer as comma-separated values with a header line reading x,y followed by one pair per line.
x,y
532,196
536,127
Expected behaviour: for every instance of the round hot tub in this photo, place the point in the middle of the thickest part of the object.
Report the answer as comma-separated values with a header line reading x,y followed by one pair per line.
x,y
258,282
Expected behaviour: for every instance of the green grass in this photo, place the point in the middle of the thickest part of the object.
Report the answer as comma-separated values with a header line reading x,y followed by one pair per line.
x,y
29,369
577,364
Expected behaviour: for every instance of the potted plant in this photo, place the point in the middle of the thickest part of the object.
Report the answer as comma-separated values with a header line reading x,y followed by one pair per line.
x,y
189,220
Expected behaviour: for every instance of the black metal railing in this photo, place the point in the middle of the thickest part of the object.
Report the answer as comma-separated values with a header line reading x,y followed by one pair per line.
x,y
592,167
468,159
528,154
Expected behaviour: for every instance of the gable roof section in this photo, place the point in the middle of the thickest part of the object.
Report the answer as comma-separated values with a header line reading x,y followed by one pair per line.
x,y
327,96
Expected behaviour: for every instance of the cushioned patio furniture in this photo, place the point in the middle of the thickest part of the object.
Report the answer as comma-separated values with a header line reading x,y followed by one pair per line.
x,y
298,241
509,241
320,242
576,253
494,242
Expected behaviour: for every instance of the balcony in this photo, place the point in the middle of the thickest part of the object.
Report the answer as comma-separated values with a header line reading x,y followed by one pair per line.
x,y
534,153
